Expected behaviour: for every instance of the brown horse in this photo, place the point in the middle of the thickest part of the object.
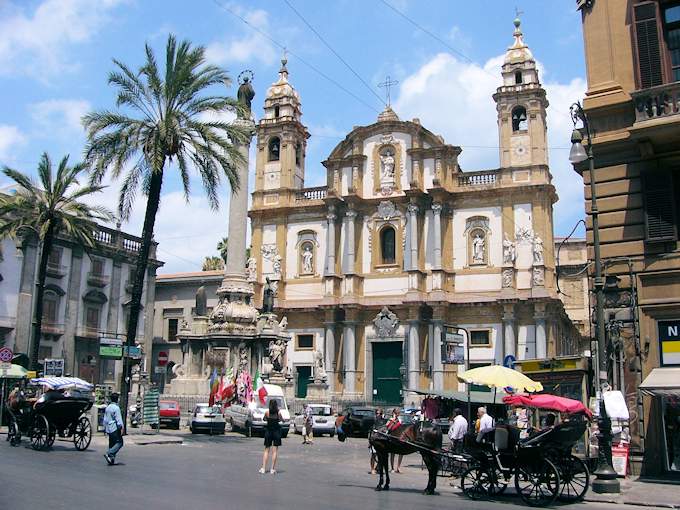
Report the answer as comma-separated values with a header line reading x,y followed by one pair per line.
x,y
407,439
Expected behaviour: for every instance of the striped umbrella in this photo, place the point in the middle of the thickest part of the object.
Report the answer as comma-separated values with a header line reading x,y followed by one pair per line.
x,y
63,383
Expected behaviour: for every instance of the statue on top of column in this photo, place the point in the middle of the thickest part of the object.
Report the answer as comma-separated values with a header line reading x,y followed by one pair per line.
x,y
245,94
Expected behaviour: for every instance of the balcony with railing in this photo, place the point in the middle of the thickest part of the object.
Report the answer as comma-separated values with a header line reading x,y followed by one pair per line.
x,y
56,270
96,279
310,194
658,102
111,238
87,332
50,327
478,179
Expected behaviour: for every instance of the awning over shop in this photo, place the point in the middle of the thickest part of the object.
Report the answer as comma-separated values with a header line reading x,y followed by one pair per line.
x,y
662,381
476,397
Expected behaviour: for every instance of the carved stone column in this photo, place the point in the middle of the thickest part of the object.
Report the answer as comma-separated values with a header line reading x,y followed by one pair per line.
x,y
437,217
436,350
413,354
413,234
329,344
509,330
350,217
349,357
330,242
541,338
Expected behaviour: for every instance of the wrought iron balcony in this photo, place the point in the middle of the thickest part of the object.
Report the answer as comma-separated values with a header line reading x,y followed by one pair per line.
x,y
657,102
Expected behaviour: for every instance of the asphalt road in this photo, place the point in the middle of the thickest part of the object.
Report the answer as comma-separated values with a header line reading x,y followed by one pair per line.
x,y
218,472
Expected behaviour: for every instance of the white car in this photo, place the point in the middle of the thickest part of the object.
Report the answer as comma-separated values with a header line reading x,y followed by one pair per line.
x,y
250,418
207,418
323,420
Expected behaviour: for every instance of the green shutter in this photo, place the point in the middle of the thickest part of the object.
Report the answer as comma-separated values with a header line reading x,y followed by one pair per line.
x,y
648,45
659,205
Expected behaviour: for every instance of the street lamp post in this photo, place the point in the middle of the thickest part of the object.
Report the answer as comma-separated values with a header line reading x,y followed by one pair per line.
x,y
606,480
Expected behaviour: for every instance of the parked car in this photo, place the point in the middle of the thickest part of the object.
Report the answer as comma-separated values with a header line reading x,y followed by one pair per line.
x,y
169,413
207,418
362,418
249,418
323,421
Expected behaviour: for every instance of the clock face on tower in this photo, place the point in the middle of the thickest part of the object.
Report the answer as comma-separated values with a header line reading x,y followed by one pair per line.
x,y
519,150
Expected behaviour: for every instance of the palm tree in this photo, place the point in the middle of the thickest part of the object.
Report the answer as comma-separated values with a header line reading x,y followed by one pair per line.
x,y
161,120
44,210
222,248
212,263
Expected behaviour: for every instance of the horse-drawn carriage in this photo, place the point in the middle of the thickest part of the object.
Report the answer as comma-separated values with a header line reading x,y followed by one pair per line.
x,y
59,411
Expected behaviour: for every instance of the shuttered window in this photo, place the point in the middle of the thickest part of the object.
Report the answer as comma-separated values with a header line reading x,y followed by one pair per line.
x,y
648,45
659,204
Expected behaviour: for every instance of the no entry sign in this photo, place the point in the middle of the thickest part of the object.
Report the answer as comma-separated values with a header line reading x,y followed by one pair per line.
x,y
5,355
162,358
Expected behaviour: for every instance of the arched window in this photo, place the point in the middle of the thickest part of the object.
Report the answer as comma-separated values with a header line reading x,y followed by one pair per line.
x,y
388,245
298,154
50,307
518,77
276,112
274,148
519,118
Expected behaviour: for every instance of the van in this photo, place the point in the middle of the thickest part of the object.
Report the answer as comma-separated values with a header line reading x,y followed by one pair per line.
x,y
249,418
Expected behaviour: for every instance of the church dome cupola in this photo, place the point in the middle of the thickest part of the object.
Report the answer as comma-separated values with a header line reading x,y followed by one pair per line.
x,y
519,65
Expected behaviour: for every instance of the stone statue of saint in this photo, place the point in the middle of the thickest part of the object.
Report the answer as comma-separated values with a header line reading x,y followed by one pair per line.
x,y
319,369
251,269
478,249
307,257
201,302
276,350
267,298
508,251
538,250
245,96
276,265
387,170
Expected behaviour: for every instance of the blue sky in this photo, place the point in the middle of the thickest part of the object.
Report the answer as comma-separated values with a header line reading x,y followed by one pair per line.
x,y
55,56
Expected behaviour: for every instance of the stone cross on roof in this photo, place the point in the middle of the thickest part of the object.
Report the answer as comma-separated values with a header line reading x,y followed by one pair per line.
x,y
386,85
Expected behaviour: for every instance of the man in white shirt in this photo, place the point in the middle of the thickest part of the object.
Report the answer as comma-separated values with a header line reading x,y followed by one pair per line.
x,y
457,430
113,426
486,423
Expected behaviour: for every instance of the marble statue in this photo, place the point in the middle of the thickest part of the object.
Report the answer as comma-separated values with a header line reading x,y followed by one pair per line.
x,y
507,278
319,369
245,95
267,298
251,269
307,259
201,302
509,253
276,351
538,250
478,249
276,266
284,323
538,276
387,166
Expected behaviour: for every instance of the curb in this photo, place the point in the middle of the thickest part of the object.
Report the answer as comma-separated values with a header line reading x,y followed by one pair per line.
x,y
632,503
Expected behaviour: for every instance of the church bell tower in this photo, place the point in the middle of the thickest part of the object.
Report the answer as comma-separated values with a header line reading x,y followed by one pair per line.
x,y
521,105
281,139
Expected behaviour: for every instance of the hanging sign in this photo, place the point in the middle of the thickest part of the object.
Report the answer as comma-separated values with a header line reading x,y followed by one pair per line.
x,y
669,338
453,346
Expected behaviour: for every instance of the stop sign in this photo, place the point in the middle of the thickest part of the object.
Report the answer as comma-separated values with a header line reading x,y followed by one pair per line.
x,y
162,358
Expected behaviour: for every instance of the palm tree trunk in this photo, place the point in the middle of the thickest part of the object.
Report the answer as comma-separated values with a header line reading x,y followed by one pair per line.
x,y
152,203
40,291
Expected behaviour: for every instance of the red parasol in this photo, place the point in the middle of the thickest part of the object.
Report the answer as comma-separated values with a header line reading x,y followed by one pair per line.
x,y
552,402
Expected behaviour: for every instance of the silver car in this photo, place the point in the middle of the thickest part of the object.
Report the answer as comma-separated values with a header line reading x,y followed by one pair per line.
x,y
323,420
207,418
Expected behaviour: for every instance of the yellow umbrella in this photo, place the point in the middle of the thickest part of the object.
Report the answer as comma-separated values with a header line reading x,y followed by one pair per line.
x,y
497,376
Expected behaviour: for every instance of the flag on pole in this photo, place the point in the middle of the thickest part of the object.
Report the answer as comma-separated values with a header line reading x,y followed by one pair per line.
x,y
214,384
260,390
227,387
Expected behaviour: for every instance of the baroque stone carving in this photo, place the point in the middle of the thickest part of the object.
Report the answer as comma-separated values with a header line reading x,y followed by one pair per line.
x,y
276,350
437,208
307,256
538,250
538,276
385,323
387,166
478,249
251,269
412,208
509,252
269,251
276,266
268,297
507,278
319,368
523,235
387,209
477,222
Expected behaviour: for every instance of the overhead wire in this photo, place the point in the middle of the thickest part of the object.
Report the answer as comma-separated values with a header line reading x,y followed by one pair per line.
x,y
347,65
286,49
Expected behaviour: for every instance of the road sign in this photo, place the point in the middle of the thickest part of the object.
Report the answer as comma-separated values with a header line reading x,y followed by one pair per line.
x,y
6,355
159,370
111,351
110,341
133,351
162,358
54,367
4,368
509,361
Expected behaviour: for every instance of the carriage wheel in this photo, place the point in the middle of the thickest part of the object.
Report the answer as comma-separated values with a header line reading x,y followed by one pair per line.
x,y
575,479
498,482
51,437
537,483
40,433
82,434
13,435
475,483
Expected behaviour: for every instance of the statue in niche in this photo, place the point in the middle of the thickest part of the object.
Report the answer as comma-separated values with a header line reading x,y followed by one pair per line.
x,y
478,249
201,302
538,250
307,259
268,298
387,166
509,253
251,269
276,351
319,369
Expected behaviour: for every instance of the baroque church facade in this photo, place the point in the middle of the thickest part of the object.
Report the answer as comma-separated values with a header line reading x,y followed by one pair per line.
x,y
401,245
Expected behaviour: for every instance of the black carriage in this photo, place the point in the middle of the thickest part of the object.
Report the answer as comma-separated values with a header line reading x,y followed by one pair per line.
x,y
543,466
55,414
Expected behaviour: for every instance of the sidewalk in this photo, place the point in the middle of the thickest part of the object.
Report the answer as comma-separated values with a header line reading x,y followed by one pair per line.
x,y
634,492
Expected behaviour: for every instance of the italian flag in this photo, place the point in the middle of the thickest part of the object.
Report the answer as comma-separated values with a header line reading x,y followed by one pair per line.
x,y
259,387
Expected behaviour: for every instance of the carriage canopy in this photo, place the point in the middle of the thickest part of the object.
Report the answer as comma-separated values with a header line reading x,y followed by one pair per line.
x,y
551,402
63,383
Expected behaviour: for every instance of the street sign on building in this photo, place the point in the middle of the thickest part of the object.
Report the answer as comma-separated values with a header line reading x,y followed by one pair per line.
x,y
453,346
111,347
6,355
159,370
133,351
54,367
669,340
5,367
162,358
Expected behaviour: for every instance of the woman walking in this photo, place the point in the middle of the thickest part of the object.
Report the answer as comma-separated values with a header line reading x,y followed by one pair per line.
x,y
272,436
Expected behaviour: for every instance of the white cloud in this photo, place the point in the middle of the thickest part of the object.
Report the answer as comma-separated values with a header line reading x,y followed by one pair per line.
x,y
60,114
11,138
453,98
249,46
34,43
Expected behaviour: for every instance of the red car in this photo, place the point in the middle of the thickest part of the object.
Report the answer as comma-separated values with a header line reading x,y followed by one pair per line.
x,y
170,413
